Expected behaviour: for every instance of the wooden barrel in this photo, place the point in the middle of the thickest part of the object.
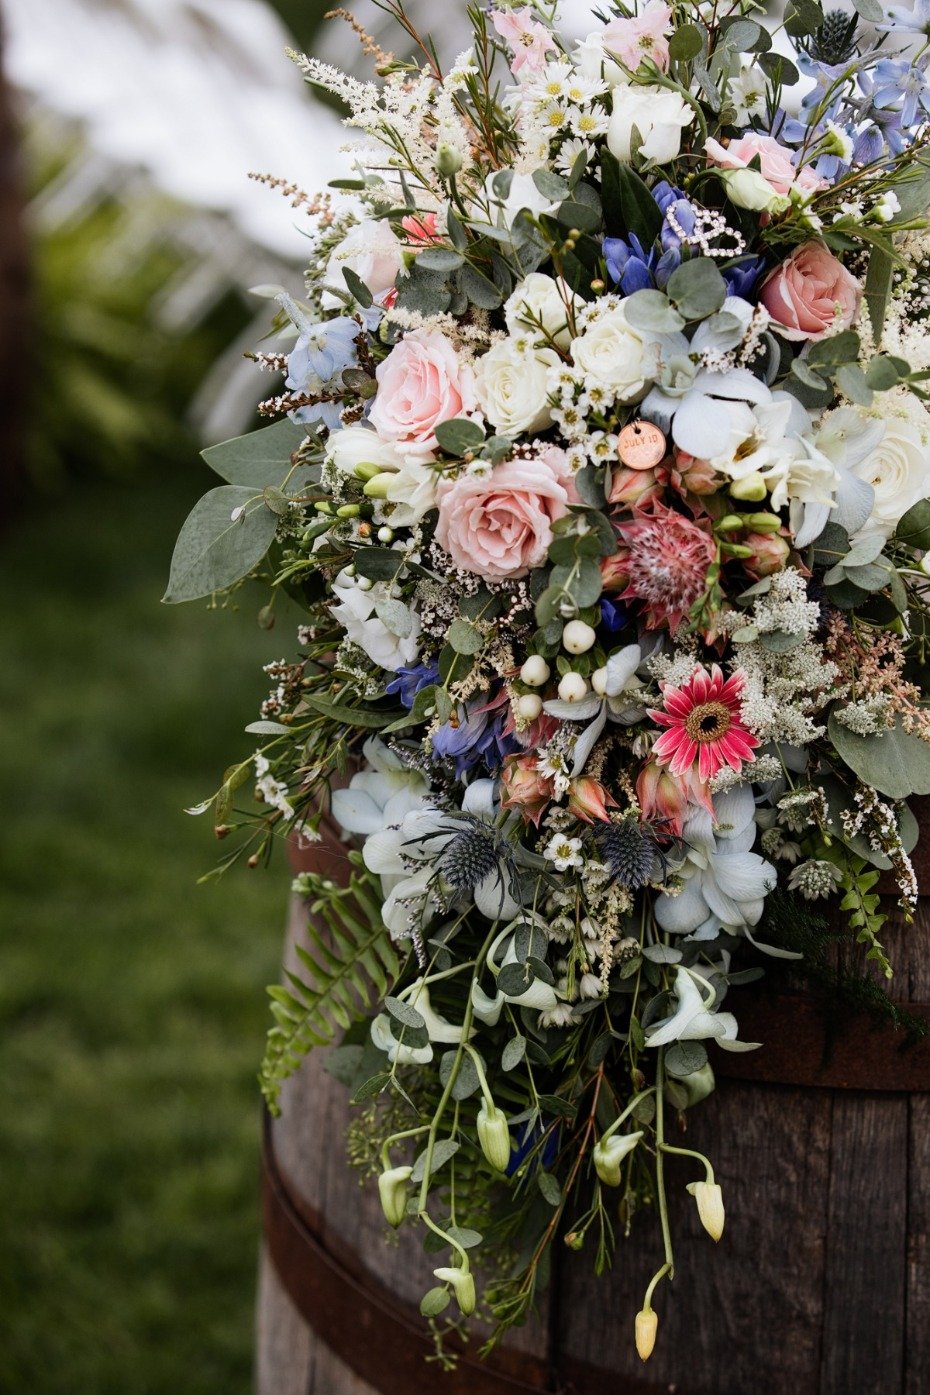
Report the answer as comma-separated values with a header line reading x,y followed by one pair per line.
x,y
820,1285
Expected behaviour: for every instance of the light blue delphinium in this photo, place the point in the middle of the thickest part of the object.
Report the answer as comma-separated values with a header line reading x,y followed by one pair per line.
x,y
898,81
908,21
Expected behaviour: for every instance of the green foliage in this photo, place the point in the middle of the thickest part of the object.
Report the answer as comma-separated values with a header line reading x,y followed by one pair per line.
x,y
894,762
261,458
350,964
226,534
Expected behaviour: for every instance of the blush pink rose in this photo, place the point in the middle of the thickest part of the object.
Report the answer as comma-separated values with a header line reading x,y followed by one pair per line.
x,y
775,162
500,525
421,383
642,36
811,294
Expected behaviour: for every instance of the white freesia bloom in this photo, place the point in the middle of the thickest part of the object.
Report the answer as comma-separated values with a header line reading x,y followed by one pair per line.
x,y
539,307
694,1018
725,881
512,387
412,491
355,611
790,463
373,251
359,445
658,115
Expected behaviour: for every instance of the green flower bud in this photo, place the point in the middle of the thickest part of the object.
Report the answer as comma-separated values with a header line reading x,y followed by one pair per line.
x,y
366,470
699,1084
494,1136
647,1324
377,486
732,523
609,1154
348,511
448,160
750,487
763,522
463,1286
709,1200
392,1188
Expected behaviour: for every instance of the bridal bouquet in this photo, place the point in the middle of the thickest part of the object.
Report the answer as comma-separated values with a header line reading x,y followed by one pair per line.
x,y
601,478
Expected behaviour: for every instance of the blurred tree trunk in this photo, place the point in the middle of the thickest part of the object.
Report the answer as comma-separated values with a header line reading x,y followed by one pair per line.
x,y
14,308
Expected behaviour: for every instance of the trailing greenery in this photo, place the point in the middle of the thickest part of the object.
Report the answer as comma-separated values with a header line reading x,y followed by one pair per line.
x,y
350,964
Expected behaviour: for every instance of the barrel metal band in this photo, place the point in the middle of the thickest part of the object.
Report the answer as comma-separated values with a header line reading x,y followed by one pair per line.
x,y
800,1048
385,1343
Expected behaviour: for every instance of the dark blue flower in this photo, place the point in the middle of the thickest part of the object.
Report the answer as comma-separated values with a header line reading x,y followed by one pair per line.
x,y
741,276
476,736
632,268
614,615
527,1140
410,680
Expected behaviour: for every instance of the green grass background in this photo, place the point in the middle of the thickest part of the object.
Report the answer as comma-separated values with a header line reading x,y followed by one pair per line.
x,y
132,1009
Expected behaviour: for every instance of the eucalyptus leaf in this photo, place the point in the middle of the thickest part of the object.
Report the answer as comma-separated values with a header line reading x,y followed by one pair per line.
x,y
226,534
444,1149
686,43
697,288
261,458
893,762
458,436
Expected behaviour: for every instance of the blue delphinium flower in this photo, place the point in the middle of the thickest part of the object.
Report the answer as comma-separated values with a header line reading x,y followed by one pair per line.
x,y
741,276
475,736
904,20
614,615
410,680
897,79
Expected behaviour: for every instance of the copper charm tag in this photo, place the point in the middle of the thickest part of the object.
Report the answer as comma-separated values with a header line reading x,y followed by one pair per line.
x,y
641,445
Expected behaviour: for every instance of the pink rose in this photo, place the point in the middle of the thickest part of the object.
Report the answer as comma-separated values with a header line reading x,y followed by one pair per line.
x,y
500,525
775,162
643,36
421,383
811,294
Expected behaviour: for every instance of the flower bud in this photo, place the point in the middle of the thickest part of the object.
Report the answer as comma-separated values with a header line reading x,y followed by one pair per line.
x,y
763,522
699,1084
448,160
348,511
749,189
392,1188
633,488
377,487
709,1200
494,1136
750,487
609,1154
367,469
732,523
768,553
647,1324
463,1286
925,564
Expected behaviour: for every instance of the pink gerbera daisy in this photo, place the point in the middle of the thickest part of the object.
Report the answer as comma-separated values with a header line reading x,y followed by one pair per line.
x,y
704,725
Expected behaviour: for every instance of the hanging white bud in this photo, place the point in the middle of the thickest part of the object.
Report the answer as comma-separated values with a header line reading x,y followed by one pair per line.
x,y
609,1154
494,1136
699,1084
647,1324
463,1286
392,1188
448,159
709,1200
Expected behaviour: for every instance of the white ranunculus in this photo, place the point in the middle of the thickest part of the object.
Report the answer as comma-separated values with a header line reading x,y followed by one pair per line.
x,y
355,611
511,384
658,115
373,251
539,307
898,469
359,445
614,354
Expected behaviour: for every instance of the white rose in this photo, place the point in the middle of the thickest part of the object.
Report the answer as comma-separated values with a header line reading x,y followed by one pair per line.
x,y
373,251
898,469
511,384
614,353
523,194
658,115
355,612
539,304
359,445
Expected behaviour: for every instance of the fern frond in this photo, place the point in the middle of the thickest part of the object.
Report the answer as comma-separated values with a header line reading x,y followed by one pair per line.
x,y
349,963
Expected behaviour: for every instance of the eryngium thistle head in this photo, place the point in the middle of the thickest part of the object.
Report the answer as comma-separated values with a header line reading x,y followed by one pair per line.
x,y
629,850
470,856
835,40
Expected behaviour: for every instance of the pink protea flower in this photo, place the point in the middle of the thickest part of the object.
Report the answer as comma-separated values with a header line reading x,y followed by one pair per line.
x,y
664,557
704,725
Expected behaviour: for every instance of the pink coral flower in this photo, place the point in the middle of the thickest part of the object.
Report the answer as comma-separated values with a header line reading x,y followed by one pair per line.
x,y
421,229
704,725
642,36
530,40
